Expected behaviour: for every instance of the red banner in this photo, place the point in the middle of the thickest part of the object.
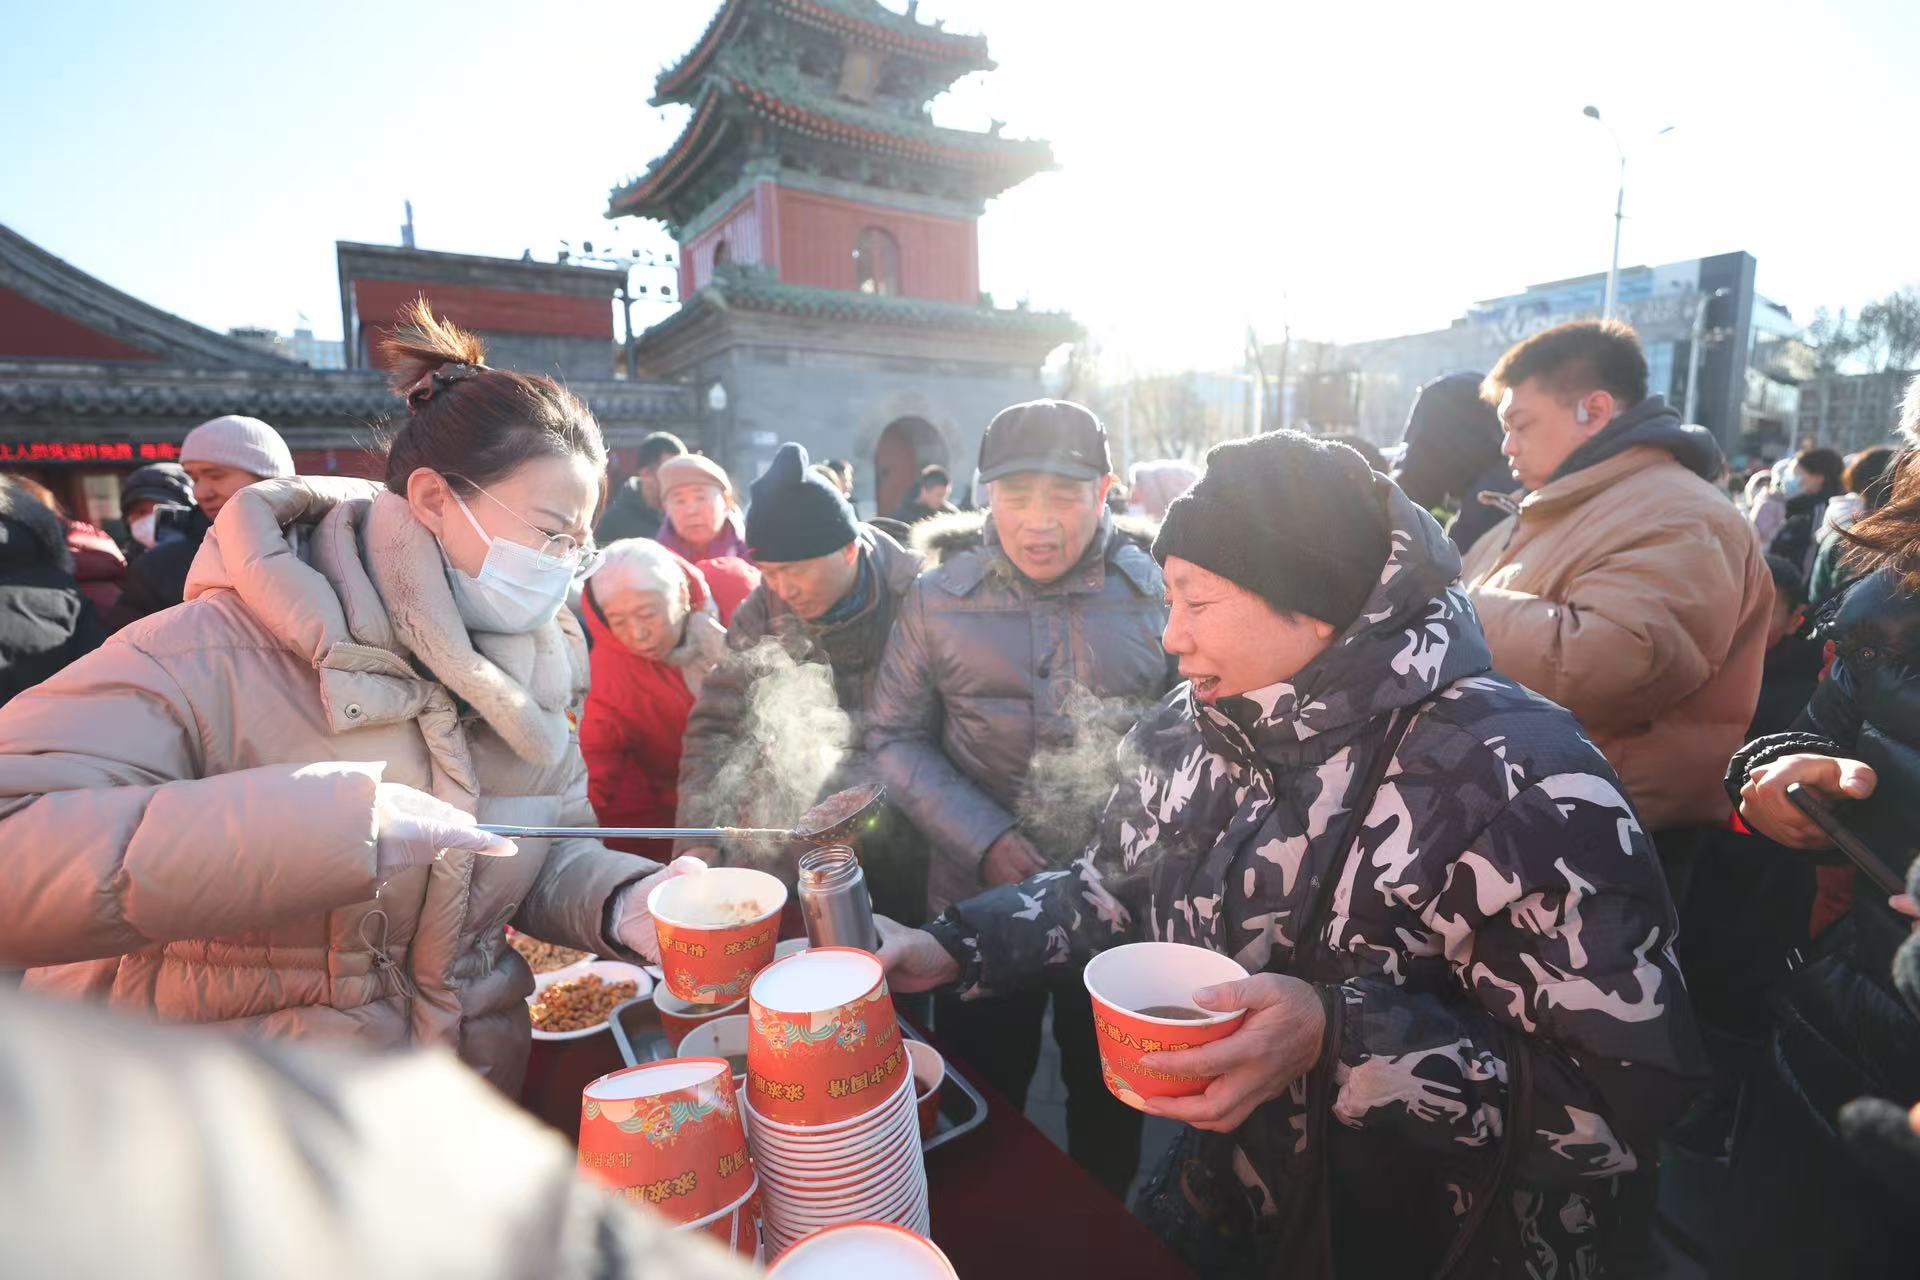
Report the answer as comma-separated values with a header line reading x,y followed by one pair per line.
x,y
87,451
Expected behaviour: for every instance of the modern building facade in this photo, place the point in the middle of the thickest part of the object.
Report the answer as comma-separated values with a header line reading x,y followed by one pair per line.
x,y
1704,307
829,255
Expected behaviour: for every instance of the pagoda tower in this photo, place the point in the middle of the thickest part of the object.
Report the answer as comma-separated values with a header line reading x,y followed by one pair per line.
x,y
829,252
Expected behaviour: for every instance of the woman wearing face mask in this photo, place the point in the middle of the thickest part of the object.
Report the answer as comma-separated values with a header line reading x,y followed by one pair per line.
x,y
658,626
258,808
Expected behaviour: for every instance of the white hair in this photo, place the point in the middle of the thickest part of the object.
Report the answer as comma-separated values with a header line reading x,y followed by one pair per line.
x,y
1910,412
641,564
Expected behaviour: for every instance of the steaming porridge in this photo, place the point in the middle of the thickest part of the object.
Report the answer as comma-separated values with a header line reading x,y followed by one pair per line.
x,y
721,915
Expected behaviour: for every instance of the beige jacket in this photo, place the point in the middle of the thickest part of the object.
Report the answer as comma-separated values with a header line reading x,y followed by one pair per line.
x,y
1633,594
190,807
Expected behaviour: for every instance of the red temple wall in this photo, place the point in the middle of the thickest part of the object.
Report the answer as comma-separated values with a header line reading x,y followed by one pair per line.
x,y
738,229
379,303
31,330
815,234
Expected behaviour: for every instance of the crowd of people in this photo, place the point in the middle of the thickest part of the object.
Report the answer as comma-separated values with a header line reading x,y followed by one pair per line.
x,y
1481,768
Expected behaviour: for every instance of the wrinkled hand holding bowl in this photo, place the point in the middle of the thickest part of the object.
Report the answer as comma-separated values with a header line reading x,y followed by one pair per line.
x,y
1143,975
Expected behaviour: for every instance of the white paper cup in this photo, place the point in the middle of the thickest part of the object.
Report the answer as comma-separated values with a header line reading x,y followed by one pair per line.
x,y
863,1249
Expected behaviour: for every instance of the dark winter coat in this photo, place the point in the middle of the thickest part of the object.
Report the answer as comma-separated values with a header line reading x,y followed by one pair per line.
x,y
45,619
157,577
1797,538
1505,1015
1868,709
628,515
913,511
850,649
1452,455
1842,1031
987,670
98,565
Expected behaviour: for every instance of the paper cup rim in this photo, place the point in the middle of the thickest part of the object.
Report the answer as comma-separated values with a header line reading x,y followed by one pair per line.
x,y
879,974
816,1189
654,898
1211,1020
938,1057
692,1011
628,972
753,1189
725,1071
936,1257
848,1163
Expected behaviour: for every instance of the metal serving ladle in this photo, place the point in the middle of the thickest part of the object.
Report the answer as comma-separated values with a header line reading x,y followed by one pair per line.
x,y
829,822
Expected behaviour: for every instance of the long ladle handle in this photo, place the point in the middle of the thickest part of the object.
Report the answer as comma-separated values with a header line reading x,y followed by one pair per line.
x,y
636,833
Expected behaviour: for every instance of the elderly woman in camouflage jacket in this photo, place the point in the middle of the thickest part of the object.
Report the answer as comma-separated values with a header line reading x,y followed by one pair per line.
x,y
1466,1029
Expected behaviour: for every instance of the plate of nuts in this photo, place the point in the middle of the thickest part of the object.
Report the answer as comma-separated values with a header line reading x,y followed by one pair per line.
x,y
574,1002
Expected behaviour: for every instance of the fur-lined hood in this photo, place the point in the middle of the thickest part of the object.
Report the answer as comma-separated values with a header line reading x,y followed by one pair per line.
x,y
20,510
941,538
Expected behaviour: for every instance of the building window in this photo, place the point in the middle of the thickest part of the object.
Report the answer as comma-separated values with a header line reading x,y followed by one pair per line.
x,y
720,257
876,262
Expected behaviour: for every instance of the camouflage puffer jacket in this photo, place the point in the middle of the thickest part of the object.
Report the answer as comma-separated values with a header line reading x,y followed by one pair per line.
x,y
1507,1025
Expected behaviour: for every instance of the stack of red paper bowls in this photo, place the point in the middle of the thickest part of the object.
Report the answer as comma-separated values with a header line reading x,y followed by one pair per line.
x,y
669,1136
830,1098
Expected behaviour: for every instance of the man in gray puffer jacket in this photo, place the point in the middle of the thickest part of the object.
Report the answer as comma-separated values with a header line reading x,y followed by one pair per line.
x,y
989,668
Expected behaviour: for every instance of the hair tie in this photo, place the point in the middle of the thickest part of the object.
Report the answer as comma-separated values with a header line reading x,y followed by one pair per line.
x,y
439,380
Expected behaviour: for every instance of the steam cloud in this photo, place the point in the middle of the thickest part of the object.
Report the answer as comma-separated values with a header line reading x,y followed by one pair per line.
x,y
1067,786
789,741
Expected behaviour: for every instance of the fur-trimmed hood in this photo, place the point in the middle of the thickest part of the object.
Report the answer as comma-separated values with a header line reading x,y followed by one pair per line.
x,y
942,537
40,537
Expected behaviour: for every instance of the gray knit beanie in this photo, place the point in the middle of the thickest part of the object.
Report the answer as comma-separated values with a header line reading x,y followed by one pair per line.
x,y
245,444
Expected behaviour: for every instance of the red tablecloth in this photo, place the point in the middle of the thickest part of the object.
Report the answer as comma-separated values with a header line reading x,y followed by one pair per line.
x,y
1006,1203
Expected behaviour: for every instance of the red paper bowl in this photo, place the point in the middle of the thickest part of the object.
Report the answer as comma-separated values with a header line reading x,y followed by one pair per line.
x,y
667,1134
823,1046
717,930
678,1017
1143,975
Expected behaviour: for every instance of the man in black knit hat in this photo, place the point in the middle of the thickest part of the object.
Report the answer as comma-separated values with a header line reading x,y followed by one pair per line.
x,y
829,589
1464,1024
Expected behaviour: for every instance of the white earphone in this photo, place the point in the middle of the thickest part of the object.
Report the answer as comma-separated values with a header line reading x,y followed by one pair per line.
x,y
1580,414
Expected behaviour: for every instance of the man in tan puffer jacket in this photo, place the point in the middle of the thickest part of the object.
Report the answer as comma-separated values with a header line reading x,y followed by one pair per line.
x,y
1626,587
187,815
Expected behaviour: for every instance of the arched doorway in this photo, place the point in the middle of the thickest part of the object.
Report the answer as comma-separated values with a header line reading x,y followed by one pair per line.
x,y
907,445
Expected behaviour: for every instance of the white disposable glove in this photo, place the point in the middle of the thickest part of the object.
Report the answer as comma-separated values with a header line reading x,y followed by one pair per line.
x,y
632,922
412,828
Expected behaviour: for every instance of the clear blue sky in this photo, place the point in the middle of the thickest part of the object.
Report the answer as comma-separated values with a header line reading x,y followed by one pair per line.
x,y
1358,170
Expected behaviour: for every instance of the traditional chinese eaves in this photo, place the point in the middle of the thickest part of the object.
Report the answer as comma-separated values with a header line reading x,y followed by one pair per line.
x,y
858,21
727,110
752,291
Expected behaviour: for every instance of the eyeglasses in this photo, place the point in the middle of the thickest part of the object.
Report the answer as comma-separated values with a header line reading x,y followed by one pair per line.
x,y
555,549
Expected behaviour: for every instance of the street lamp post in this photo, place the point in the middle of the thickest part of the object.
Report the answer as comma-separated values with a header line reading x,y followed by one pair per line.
x,y
1619,210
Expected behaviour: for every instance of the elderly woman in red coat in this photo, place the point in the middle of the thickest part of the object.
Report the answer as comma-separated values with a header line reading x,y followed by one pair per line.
x,y
658,625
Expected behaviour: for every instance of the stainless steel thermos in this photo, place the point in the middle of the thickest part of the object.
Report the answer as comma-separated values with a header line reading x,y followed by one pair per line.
x,y
834,901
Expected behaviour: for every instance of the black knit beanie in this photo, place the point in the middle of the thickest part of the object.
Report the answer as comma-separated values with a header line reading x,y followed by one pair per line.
x,y
795,514
1294,520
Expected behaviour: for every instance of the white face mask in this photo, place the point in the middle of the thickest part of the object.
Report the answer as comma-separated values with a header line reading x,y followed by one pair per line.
x,y
518,589
141,528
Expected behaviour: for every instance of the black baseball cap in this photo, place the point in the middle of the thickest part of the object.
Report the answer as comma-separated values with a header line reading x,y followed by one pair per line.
x,y
1056,436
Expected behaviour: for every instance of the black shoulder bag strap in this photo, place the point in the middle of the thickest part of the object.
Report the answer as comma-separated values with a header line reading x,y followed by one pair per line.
x,y
1322,900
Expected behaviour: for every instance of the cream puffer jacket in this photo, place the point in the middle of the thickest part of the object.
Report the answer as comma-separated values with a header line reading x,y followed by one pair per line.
x,y
186,815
